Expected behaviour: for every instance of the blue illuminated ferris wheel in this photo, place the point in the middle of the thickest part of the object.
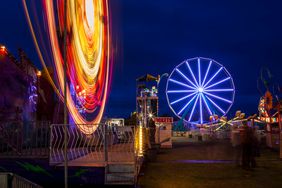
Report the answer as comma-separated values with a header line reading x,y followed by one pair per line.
x,y
199,88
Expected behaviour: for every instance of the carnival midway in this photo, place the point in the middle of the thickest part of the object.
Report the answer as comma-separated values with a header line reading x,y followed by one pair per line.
x,y
56,114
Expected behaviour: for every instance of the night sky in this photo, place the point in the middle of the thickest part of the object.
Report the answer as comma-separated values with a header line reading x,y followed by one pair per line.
x,y
153,36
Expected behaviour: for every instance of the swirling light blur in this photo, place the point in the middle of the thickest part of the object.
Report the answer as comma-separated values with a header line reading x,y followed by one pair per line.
x,y
88,55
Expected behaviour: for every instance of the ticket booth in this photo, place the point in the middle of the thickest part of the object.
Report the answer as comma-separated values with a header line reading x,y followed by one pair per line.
x,y
163,132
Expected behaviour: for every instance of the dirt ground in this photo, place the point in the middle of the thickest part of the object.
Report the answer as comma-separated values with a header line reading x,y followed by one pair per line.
x,y
209,165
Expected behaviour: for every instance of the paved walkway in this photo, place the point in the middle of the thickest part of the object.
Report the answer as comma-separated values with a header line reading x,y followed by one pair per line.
x,y
209,165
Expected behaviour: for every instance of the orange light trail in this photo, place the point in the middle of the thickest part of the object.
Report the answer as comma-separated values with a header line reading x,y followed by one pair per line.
x,y
88,55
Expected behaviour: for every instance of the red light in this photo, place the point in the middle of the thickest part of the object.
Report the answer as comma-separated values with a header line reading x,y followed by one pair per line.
x,y
3,50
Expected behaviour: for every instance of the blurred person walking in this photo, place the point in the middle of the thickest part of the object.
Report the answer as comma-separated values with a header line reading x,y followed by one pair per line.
x,y
249,146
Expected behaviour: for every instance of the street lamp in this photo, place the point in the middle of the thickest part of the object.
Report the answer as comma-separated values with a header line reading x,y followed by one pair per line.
x,y
3,48
160,78
39,73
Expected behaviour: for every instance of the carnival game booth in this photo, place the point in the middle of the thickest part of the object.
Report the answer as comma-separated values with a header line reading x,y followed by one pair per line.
x,y
119,122
272,131
163,132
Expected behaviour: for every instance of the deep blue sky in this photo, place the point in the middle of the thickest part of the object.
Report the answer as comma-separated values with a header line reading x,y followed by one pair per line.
x,y
153,36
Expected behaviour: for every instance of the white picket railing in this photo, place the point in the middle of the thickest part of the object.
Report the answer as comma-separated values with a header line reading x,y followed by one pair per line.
x,y
106,145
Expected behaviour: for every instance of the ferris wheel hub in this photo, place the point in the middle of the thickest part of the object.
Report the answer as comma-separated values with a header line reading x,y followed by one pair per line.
x,y
200,89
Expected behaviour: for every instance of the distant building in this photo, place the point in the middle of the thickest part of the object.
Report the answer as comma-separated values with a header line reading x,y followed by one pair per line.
x,y
25,92
15,87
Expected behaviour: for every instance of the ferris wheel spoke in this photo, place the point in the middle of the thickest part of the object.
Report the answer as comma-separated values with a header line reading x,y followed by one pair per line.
x,y
213,76
219,82
215,104
192,73
207,72
181,91
201,109
217,97
192,112
183,98
186,105
186,78
199,72
205,101
181,83
218,90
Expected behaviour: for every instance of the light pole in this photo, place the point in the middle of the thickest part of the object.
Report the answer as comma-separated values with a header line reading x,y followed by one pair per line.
x,y
65,97
38,74
158,82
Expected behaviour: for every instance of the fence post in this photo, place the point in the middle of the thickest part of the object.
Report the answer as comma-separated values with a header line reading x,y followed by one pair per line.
x,y
105,142
50,143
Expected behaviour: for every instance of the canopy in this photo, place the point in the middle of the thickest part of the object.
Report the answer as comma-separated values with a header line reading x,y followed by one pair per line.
x,y
147,78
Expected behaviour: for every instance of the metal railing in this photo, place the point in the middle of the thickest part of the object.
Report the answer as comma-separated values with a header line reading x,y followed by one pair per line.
x,y
107,144
10,180
18,139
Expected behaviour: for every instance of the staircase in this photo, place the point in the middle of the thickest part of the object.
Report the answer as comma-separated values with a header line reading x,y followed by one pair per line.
x,y
12,180
120,174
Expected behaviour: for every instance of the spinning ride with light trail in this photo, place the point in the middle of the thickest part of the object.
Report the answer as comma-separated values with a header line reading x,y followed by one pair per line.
x,y
198,89
88,53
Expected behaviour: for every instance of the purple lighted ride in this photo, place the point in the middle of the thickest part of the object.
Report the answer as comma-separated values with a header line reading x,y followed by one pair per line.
x,y
199,88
